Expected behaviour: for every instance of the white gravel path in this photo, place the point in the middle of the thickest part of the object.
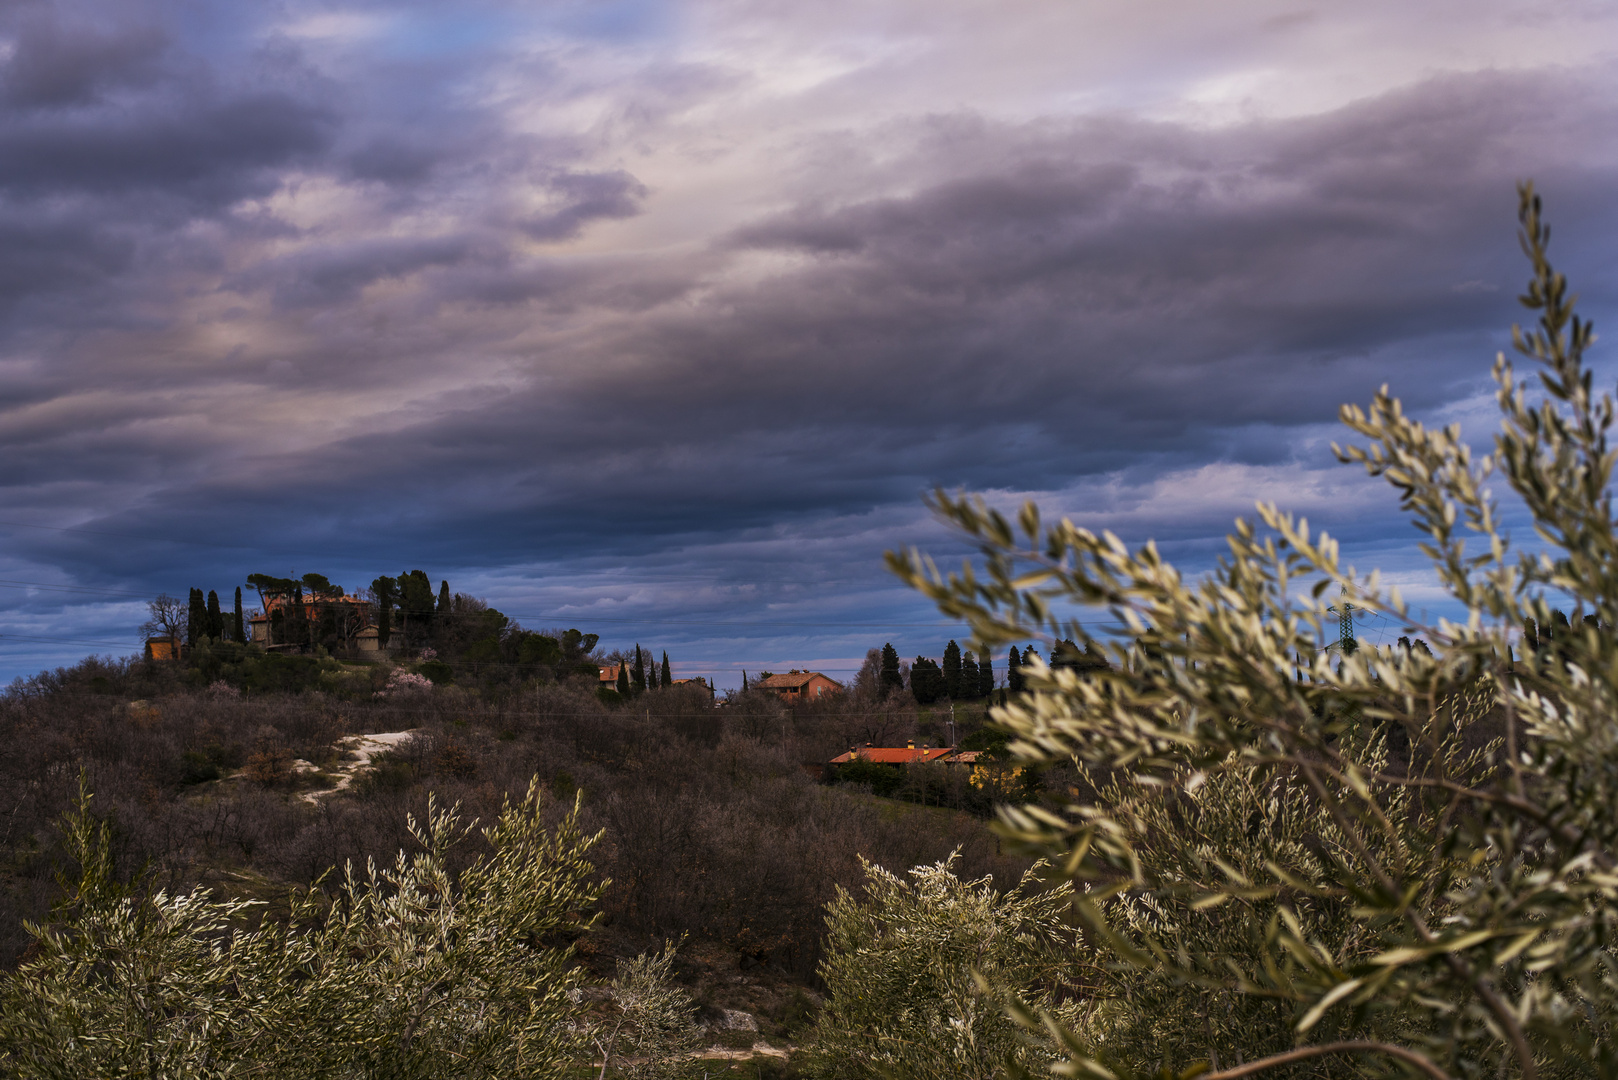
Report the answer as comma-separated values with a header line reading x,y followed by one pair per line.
x,y
364,748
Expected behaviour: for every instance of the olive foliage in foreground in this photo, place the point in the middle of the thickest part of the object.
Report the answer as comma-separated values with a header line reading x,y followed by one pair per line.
x,y
1427,881
404,972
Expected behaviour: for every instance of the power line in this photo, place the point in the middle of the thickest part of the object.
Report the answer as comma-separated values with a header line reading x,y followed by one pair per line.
x,y
124,536
7,583
67,641
552,617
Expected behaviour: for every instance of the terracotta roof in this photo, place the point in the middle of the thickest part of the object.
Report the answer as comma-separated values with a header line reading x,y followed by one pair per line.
x,y
894,755
280,600
967,757
609,673
791,679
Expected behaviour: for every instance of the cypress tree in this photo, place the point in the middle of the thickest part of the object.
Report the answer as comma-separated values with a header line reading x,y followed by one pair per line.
x,y
623,679
744,680
639,674
667,682
986,675
298,631
1094,659
1013,670
969,676
926,681
216,622
384,589
952,671
415,603
196,616
443,598
239,629
890,679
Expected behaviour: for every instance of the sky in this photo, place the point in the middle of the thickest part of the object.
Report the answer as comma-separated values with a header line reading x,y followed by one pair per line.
x,y
659,319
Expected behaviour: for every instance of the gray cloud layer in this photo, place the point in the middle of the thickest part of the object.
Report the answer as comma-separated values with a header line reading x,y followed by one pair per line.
x,y
379,313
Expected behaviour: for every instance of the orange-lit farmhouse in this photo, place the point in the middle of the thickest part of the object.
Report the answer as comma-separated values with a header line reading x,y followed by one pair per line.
x,y
798,686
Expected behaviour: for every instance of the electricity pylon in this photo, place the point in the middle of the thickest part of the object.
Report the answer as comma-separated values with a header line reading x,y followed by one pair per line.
x,y
1345,643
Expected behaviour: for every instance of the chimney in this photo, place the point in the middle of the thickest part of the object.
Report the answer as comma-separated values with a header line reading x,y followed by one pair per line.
x,y
911,745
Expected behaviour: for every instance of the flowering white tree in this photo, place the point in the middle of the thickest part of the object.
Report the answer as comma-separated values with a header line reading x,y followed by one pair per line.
x,y
402,683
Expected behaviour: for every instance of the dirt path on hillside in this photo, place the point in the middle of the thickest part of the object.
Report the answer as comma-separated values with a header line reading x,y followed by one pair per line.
x,y
364,748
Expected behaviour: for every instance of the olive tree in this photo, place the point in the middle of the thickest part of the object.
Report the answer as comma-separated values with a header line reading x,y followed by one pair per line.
x,y
1450,909
649,1021
402,972
905,973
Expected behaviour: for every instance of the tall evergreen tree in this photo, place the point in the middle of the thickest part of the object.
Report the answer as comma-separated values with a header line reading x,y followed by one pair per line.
x,y
443,598
667,682
639,673
1094,659
952,670
216,622
986,674
415,605
238,624
969,676
196,618
385,588
890,678
744,680
298,629
926,681
1013,669
623,679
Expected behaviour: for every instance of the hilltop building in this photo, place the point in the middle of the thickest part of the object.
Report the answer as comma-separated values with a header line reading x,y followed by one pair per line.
x,y
347,615
164,648
796,686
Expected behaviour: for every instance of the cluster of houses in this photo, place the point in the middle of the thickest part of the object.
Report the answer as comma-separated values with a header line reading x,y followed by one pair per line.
x,y
793,687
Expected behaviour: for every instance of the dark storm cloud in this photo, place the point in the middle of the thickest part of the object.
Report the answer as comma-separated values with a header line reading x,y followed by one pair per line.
x,y
208,153
585,197
55,65
1065,301
336,273
282,307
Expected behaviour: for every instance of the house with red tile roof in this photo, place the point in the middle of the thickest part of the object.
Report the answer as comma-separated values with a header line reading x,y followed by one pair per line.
x,y
796,686
894,755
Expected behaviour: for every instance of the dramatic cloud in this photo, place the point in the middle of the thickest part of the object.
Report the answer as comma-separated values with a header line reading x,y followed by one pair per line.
x,y
659,318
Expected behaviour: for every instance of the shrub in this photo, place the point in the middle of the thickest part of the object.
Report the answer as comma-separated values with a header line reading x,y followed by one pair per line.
x,y
903,973
882,779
